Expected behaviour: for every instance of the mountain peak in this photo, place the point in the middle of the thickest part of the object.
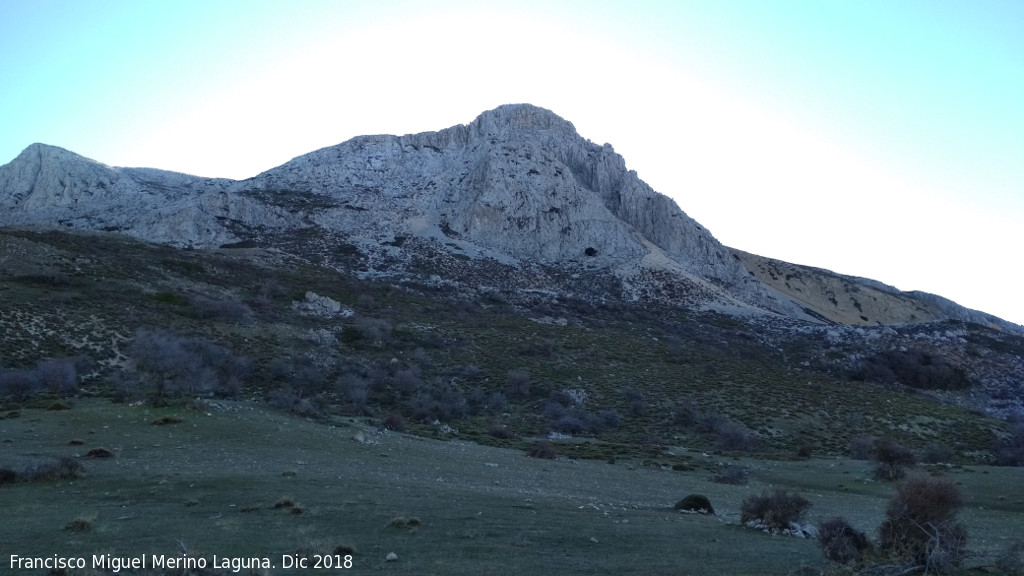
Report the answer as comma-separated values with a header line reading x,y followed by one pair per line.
x,y
523,117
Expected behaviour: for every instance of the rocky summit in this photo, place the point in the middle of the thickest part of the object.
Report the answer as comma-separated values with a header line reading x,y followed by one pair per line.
x,y
515,200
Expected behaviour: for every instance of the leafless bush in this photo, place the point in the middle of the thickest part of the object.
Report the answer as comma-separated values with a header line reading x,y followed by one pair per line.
x,y
517,382
733,436
63,468
936,454
298,374
777,509
543,449
52,375
501,431
1010,452
408,380
892,459
686,414
169,366
395,422
921,524
729,474
841,542
861,447
634,400
370,331
354,389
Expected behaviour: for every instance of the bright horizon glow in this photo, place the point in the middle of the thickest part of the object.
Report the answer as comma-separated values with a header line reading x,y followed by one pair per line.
x,y
875,139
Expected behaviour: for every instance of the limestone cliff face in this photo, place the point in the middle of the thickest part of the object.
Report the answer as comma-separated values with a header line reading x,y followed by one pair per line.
x,y
518,181
516,186
50,186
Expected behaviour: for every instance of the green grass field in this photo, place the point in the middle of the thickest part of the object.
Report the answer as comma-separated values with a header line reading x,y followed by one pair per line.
x,y
209,484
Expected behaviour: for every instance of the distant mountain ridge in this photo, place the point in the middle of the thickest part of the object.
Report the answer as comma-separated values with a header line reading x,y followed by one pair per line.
x,y
516,188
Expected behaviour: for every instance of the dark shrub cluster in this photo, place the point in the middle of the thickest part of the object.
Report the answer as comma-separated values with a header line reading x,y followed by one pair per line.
x,y
695,503
517,383
58,376
841,542
734,436
166,366
776,509
892,459
920,524
501,432
914,368
353,389
936,454
1010,452
395,422
368,332
861,447
298,375
63,468
543,449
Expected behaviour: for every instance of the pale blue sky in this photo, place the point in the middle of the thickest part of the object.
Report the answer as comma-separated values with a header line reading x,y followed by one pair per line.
x,y
875,138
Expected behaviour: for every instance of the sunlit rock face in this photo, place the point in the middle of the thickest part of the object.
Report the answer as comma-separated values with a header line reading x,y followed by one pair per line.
x,y
517,185
50,186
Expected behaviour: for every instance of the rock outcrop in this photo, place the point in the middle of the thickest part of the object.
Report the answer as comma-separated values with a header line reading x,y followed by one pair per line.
x,y
855,301
50,186
516,188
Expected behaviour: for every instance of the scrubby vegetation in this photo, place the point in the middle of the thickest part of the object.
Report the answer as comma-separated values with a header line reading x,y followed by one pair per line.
x,y
692,400
776,510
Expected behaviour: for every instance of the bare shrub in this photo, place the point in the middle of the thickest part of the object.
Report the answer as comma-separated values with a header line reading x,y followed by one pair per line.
x,y
936,454
517,382
841,542
58,376
369,331
353,388
728,474
892,459
168,366
734,436
18,385
64,468
1010,452
298,374
543,449
861,447
634,400
776,510
685,414
395,421
920,524
408,380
